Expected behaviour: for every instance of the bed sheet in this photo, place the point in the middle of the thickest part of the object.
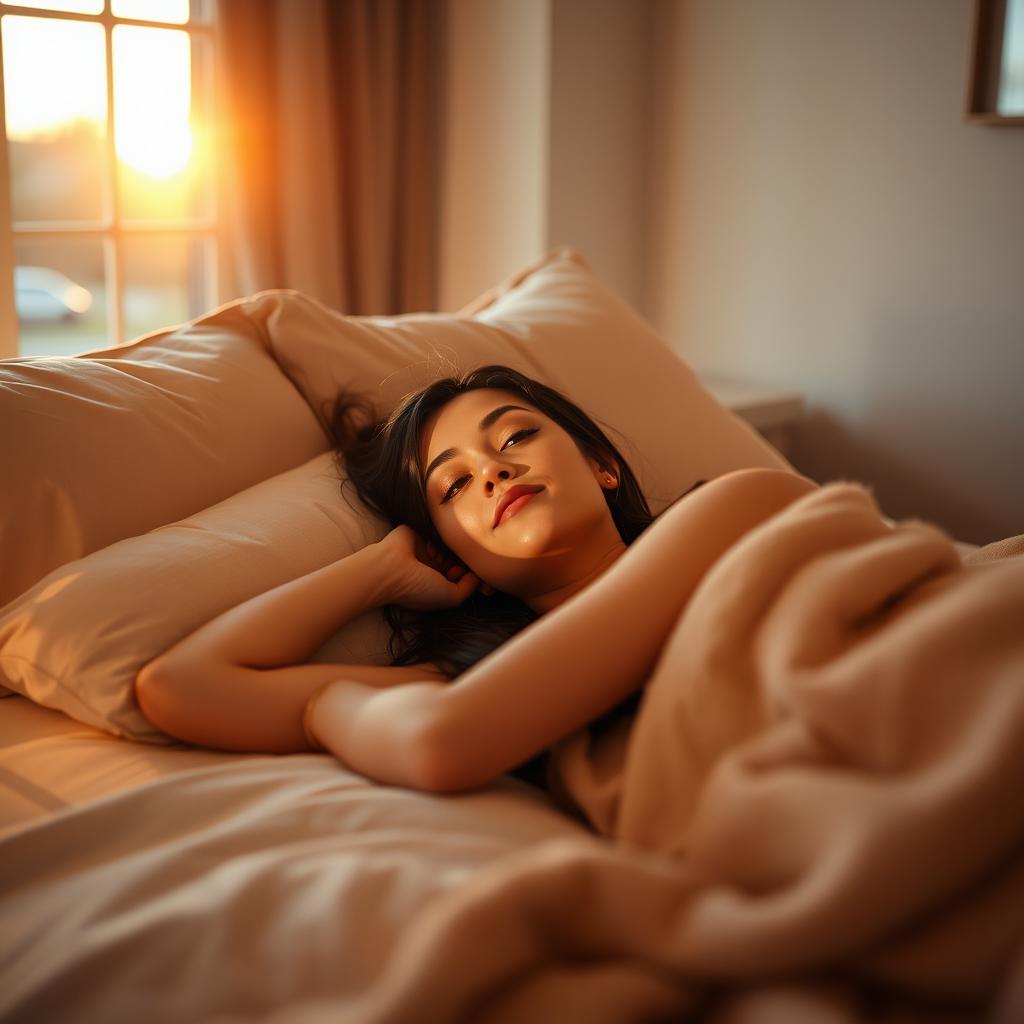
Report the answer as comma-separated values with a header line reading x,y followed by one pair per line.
x,y
49,762
259,878
228,891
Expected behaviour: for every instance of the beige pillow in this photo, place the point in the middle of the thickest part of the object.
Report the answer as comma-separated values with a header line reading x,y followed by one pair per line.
x,y
555,322
108,444
78,637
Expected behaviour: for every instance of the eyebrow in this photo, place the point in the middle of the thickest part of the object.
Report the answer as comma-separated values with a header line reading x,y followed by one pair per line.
x,y
450,453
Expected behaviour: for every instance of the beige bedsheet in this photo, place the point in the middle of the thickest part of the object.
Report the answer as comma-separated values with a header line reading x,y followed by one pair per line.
x,y
49,762
172,885
816,815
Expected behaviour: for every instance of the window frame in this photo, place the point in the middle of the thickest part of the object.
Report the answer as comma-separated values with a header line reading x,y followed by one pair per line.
x,y
112,231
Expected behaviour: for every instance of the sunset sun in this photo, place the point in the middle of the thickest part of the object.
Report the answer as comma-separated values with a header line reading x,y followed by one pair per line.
x,y
152,90
152,99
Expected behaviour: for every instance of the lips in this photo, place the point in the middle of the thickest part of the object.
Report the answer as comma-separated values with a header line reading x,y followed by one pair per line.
x,y
509,496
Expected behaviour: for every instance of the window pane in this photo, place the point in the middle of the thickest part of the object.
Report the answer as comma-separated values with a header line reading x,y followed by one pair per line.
x,y
166,282
55,86
163,171
60,296
74,6
172,11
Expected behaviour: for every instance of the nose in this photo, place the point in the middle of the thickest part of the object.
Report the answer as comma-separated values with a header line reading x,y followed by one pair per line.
x,y
494,472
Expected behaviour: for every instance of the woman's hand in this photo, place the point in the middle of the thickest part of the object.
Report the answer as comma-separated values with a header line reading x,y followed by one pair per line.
x,y
420,577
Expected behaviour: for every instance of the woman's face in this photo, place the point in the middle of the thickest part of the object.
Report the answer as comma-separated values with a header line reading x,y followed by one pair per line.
x,y
474,450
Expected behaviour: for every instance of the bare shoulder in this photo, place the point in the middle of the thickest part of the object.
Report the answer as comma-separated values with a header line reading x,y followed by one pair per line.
x,y
773,481
730,504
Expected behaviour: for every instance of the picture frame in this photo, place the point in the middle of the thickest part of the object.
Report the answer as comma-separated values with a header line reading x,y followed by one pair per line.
x,y
995,88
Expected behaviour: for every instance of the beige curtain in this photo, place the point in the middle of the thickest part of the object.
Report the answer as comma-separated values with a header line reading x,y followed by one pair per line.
x,y
328,146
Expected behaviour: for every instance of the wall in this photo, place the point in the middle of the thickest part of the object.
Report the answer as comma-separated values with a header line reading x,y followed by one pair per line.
x,y
547,140
600,136
825,220
495,161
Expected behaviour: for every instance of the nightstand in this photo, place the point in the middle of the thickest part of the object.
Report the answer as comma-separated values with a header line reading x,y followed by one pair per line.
x,y
774,414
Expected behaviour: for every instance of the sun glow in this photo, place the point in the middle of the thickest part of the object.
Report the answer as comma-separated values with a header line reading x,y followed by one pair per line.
x,y
152,96
55,82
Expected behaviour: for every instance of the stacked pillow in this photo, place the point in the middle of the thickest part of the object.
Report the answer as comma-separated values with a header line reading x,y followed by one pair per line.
x,y
554,321
109,444
212,438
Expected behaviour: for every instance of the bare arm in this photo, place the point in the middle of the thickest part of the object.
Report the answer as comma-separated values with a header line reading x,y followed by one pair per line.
x,y
590,653
287,624
237,683
562,671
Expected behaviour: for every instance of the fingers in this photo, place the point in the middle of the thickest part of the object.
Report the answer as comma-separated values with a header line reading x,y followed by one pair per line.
x,y
457,573
433,557
468,582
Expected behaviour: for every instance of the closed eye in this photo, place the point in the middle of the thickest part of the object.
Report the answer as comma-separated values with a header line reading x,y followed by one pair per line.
x,y
519,433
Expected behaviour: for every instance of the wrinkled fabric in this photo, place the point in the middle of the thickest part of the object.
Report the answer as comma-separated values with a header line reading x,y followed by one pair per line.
x,y
814,816
817,813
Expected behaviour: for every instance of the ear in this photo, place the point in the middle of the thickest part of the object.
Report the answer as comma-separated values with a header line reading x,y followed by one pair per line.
x,y
608,477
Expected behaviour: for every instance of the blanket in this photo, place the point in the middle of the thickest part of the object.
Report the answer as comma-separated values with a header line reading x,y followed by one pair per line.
x,y
816,815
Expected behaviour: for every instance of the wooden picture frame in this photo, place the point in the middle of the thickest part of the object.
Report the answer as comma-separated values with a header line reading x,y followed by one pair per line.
x,y
987,62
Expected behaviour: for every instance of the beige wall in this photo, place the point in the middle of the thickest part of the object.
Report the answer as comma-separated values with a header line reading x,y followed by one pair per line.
x,y
495,161
788,190
600,135
827,221
547,139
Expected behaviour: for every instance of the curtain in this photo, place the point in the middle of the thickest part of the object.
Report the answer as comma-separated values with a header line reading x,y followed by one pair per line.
x,y
328,133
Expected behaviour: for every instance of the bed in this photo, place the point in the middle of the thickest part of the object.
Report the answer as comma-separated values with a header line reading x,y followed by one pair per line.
x,y
815,814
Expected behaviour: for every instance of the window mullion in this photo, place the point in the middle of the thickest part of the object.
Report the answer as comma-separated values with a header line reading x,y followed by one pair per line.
x,y
106,18
112,254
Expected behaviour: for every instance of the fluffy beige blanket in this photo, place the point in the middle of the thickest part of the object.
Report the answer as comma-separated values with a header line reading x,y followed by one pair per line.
x,y
817,813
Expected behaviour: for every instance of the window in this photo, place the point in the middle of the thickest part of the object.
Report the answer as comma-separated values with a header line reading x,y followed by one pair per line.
x,y
106,172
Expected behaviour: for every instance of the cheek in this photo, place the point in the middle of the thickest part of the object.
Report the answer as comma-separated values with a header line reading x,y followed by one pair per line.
x,y
453,536
468,548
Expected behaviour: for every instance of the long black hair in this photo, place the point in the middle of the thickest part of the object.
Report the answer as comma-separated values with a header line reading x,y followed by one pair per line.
x,y
381,460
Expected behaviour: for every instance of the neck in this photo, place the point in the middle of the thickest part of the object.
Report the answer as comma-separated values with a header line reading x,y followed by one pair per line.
x,y
549,599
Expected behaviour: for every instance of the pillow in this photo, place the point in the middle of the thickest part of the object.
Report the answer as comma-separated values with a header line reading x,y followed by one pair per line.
x,y
78,637
554,321
108,444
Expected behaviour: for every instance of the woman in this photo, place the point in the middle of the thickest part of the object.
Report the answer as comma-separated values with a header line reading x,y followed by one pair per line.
x,y
515,511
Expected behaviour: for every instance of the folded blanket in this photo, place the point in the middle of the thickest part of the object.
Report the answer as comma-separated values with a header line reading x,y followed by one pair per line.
x,y
817,813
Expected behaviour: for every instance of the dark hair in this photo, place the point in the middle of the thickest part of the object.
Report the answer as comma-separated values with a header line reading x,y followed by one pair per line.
x,y
381,459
